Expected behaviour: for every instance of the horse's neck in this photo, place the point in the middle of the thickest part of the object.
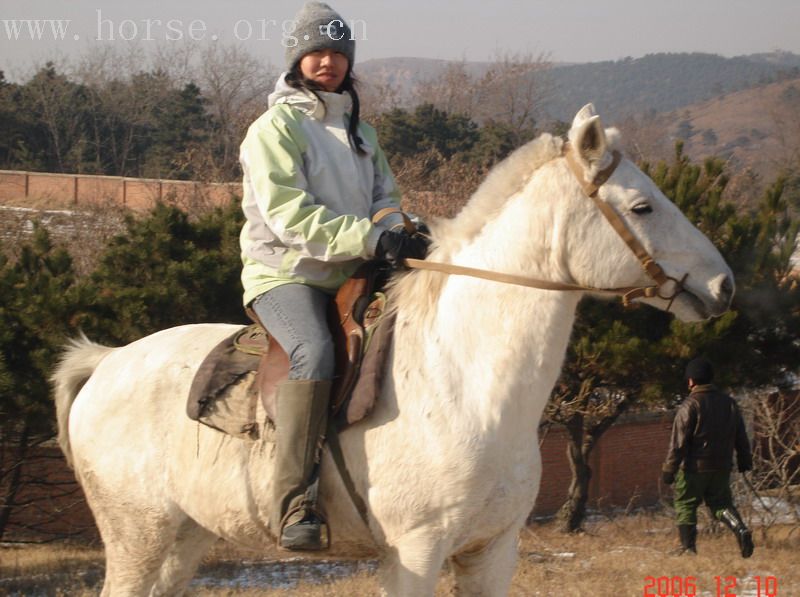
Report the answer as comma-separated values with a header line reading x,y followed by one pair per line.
x,y
497,349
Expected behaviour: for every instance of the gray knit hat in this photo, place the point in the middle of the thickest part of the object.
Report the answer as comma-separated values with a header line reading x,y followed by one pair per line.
x,y
317,27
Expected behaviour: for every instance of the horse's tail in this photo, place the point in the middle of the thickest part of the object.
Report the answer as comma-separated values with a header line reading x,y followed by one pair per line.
x,y
79,360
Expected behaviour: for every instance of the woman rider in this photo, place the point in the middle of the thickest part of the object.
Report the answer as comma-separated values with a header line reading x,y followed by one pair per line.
x,y
314,176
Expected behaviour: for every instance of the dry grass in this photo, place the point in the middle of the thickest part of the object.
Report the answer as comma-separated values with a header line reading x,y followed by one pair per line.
x,y
18,559
613,557
41,569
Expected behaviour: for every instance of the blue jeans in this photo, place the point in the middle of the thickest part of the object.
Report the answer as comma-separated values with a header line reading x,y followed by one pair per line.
x,y
296,316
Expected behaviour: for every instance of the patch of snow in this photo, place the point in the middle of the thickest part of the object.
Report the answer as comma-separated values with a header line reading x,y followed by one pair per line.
x,y
284,574
61,212
775,510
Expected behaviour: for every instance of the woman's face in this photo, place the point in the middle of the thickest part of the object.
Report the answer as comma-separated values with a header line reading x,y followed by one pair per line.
x,y
325,67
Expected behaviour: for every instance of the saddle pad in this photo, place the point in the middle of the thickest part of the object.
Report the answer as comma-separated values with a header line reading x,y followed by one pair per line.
x,y
223,394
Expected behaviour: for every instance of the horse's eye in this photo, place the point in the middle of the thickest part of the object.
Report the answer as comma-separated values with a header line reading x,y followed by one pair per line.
x,y
641,209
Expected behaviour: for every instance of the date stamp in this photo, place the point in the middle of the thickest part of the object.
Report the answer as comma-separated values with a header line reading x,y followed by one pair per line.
x,y
724,586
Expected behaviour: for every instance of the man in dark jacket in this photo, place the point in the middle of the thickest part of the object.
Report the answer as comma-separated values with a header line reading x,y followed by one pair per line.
x,y
707,428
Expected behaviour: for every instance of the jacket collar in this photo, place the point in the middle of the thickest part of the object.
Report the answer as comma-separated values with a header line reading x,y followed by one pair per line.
x,y
333,106
703,388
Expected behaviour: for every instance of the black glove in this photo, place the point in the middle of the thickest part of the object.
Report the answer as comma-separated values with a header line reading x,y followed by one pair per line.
x,y
422,228
394,247
668,477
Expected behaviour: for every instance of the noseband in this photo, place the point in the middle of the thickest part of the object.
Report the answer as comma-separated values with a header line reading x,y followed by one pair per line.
x,y
666,287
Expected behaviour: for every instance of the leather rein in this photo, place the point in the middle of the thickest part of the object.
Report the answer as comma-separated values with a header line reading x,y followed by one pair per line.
x,y
666,287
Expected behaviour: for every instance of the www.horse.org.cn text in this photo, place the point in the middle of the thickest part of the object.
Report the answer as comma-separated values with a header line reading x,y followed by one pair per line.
x,y
128,30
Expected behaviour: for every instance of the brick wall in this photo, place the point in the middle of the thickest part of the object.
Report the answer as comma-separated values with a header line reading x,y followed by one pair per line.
x,y
51,503
68,190
625,464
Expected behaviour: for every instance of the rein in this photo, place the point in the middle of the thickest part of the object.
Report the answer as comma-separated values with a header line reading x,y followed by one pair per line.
x,y
665,287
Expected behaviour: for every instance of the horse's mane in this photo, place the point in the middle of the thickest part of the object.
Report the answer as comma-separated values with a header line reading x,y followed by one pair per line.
x,y
503,181
419,290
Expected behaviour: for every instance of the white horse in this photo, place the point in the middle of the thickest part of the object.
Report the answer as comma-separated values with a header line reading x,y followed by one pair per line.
x,y
448,463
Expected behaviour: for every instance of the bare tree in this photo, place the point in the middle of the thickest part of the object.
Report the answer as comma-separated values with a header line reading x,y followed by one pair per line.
x,y
377,98
586,414
769,494
236,86
56,101
513,90
121,95
510,89
644,138
452,90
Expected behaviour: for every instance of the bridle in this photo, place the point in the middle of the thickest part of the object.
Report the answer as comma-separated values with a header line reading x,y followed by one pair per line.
x,y
666,287
649,265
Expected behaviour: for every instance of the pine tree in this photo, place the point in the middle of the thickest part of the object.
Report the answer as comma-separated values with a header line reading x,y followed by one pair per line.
x,y
37,312
180,126
168,270
427,128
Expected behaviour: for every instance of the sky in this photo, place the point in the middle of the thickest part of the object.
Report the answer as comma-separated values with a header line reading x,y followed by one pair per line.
x,y
475,30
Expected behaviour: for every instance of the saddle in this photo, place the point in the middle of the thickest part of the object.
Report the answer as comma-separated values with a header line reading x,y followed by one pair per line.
x,y
250,364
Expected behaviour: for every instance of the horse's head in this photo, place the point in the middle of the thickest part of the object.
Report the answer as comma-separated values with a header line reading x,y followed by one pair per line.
x,y
599,257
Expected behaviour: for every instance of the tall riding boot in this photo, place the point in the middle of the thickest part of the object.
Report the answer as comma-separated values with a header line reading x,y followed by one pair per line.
x,y
302,414
730,517
688,535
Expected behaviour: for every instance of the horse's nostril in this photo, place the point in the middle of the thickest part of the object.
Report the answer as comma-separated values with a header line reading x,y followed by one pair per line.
x,y
726,290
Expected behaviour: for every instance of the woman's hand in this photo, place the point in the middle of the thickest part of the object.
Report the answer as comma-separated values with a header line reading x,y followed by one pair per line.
x,y
395,247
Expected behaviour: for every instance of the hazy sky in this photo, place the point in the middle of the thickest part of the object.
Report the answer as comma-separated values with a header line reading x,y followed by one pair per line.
x,y
566,30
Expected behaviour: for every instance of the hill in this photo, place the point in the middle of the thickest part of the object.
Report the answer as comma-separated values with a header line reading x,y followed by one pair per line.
x,y
656,82
744,109
757,130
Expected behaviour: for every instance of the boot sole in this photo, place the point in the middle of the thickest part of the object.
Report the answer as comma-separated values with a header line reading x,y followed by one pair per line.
x,y
302,539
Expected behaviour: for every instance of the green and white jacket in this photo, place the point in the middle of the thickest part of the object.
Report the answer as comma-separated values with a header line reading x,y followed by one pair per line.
x,y
308,196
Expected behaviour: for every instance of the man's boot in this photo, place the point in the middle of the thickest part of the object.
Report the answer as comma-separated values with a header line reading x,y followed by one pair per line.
x,y
688,535
302,414
730,517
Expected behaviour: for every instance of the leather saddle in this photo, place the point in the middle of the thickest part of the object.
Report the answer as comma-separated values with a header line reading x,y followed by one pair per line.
x,y
252,358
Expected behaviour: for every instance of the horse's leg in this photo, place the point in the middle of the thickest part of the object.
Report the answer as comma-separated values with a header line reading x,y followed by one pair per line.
x,y
487,571
133,558
412,567
191,544
136,541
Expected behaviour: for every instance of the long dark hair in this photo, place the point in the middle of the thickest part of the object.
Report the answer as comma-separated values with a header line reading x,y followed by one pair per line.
x,y
295,78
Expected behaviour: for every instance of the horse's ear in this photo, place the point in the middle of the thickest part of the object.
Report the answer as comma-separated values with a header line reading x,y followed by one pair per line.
x,y
583,115
587,135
